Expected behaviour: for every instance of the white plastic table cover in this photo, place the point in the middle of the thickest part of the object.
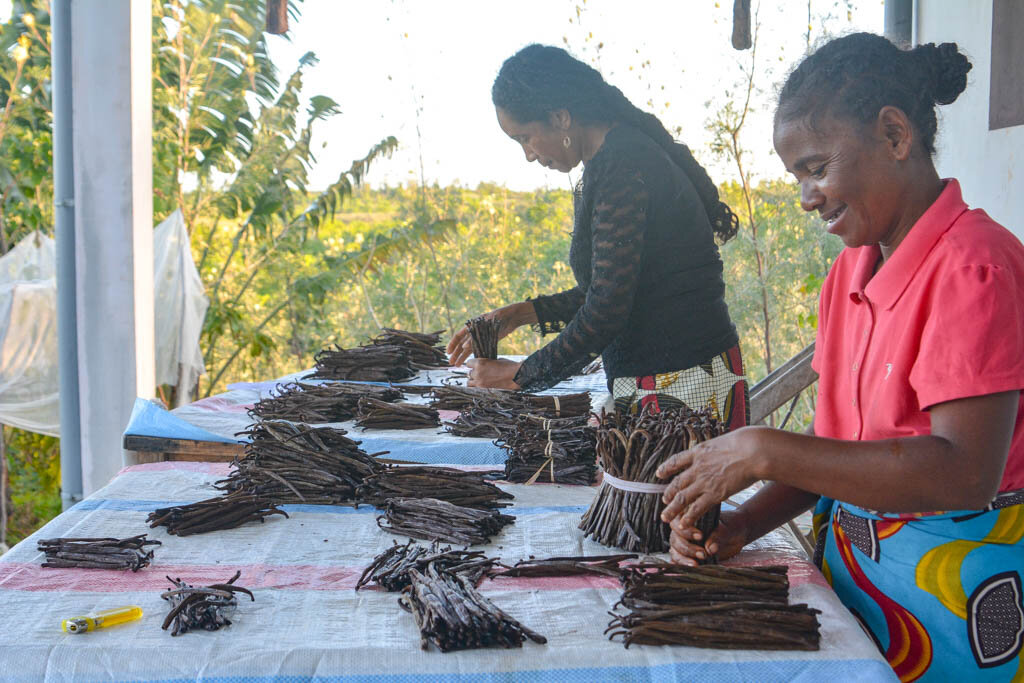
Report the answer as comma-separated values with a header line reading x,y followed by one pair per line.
x,y
307,622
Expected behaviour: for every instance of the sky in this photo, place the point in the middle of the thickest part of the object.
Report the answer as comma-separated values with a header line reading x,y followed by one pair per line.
x,y
422,70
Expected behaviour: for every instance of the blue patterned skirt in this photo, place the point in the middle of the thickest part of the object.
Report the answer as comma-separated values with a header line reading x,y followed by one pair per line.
x,y
940,593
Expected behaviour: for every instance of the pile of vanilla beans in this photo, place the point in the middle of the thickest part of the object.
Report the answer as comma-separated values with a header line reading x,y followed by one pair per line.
x,y
374,414
483,332
392,356
390,569
451,613
430,519
293,463
97,553
712,606
317,403
202,607
546,437
630,448
559,450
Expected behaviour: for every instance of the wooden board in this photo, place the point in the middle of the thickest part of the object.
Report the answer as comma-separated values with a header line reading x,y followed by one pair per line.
x,y
159,449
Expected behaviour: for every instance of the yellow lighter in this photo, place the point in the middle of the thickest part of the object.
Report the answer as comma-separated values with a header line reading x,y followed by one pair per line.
x,y
108,617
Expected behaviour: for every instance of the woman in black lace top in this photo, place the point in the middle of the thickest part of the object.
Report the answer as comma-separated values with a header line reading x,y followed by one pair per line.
x,y
650,294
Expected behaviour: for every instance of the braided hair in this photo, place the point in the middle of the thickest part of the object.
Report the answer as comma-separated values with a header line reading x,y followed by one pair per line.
x,y
540,79
853,77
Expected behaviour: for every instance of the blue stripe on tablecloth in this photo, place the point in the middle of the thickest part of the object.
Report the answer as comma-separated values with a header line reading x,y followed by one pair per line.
x,y
434,453
805,671
147,505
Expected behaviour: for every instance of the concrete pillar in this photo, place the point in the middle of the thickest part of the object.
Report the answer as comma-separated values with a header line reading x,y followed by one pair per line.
x,y
113,181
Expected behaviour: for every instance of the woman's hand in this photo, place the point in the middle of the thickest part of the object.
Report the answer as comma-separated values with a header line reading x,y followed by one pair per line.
x,y
710,472
512,318
493,374
728,538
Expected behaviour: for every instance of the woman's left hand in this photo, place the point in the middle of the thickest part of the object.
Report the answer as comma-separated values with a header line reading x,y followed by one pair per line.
x,y
710,472
493,374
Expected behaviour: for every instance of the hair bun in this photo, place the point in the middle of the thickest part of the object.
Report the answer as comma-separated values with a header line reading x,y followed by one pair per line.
x,y
946,68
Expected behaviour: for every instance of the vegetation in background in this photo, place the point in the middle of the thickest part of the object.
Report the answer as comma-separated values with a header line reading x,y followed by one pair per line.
x,y
289,270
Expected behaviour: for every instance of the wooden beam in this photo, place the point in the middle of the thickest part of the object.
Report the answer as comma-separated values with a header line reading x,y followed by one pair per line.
x,y
277,17
182,449
741,25
782,385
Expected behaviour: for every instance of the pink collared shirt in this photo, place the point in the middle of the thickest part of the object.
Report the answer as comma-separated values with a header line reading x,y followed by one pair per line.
x,y
942,319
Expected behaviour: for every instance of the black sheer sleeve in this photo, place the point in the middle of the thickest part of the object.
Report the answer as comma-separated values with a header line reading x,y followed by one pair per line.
x,y
618,227
554,310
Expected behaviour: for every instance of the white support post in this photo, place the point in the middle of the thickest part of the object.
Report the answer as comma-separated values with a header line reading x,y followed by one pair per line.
x,y
113,181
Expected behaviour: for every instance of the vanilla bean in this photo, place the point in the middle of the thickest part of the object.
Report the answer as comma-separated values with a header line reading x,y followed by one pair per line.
x,y
390,569
225,512
598,565
313,403
425,349
383,363
484,334
292,463
430,519
560,450
452,615
374,414
712,606
630,448
458,487
195,607
97,553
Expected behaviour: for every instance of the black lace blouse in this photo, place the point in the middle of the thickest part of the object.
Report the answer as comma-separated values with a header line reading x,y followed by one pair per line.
x,y
650,296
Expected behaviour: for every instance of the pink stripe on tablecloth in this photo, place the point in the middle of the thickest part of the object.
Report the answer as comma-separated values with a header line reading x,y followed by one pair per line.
x,y
448,415
219,404
31,577
217,468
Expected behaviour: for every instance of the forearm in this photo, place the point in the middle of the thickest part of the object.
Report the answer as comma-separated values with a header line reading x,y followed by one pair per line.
x,y
913,474
772,506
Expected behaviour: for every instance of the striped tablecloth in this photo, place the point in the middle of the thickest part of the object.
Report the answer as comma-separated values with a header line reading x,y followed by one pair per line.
x,y
307,622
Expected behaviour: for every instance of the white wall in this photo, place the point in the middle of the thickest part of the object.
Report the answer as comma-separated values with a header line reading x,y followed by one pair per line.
x,y
989,164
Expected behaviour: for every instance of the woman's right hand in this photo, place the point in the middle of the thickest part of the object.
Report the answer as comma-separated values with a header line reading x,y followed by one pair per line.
x,y
728,538
512,318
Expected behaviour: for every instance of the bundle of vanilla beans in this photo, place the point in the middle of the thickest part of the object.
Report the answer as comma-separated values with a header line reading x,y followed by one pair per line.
x,y
97,553
429,519
390,569
295,463
204,607
391,356
491,412
582,565
374,363
213,514
712,606
312,403
560,450
451,613
374,414
458,487
425,349
462,398
484,334
630,448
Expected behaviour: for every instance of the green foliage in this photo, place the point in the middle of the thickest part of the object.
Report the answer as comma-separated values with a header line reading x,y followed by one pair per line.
x,y
26,141
33,463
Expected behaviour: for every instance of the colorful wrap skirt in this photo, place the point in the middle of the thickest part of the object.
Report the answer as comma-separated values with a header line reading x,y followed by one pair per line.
x,y
941,594
718,384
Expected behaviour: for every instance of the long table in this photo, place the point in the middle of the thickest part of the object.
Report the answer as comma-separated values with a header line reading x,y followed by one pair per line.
x,y
307,622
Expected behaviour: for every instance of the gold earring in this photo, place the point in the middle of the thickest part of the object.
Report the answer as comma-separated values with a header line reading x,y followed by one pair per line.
x,y
566,142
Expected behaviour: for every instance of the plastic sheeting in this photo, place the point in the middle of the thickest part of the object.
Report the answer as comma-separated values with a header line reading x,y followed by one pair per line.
x,y
180,306
29,386
308,624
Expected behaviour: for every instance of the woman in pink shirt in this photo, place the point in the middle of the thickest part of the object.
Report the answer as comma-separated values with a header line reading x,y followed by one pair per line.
x,y
916,456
